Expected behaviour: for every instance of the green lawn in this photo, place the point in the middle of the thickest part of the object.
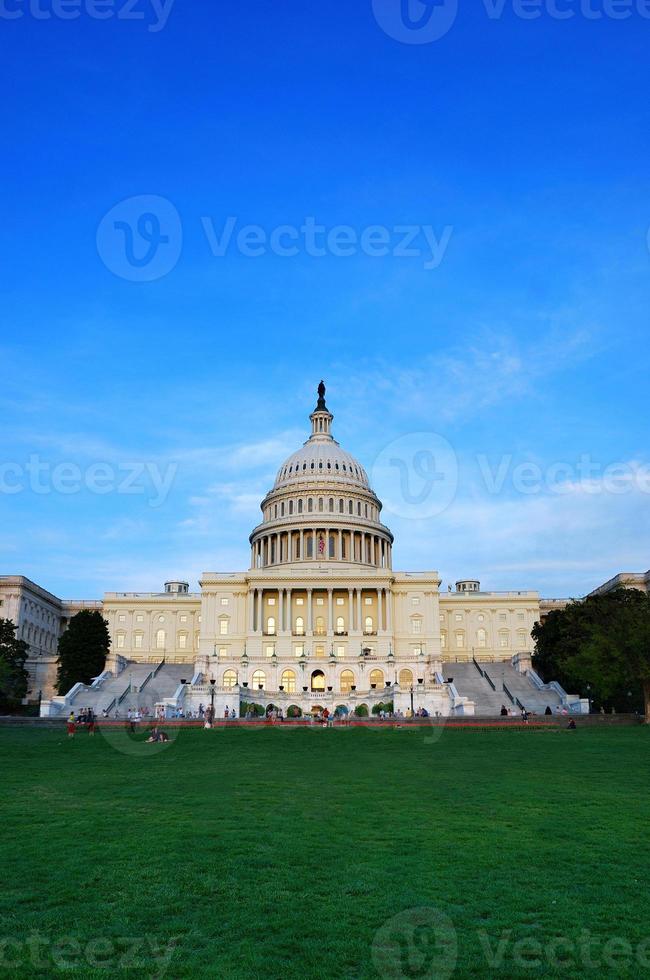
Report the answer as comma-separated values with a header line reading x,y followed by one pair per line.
x,y
289,853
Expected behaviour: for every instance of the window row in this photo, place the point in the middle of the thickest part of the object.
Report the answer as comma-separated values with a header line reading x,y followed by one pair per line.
x,y
317,681
322,505
522,639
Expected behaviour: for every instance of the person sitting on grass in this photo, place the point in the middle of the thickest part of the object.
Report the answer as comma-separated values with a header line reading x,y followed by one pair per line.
x,y
157,736
572,725
504,711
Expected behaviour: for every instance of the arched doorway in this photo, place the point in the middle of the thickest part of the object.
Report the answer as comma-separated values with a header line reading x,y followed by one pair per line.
x,y
347,681
405,677
318,680
377,678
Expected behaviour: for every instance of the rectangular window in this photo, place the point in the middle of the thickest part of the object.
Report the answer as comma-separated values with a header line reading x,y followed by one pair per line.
x,y
417,651
443,641
368,600
223,627
417,625
224,600
139,618
300,601
122,618
182,619
520,617
120,641
340,602
458,617
502,617
320,601
299,649
182,641
270,650
416,600
503,641
459,641
340,651
138,641
271,600
223,652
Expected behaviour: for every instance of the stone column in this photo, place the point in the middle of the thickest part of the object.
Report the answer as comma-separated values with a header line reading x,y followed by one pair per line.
x,y
289,621
380,610
350,612
359,612
302,545
389,610
252,596
258,625
330,610
309,605
340,545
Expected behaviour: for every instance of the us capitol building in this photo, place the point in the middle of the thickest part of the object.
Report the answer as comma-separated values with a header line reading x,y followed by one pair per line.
x,y
320,619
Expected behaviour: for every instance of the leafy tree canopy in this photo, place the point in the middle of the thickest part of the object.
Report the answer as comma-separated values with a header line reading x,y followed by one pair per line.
x,y
601,646
83,649
13,675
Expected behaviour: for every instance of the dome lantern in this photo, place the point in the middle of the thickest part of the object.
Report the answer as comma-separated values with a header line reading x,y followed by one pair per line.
x,y
321,418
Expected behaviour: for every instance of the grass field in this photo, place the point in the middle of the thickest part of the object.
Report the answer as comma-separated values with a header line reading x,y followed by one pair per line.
x,y
316,853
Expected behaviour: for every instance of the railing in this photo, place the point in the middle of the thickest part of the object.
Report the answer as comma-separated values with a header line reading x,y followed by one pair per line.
x,y
123,696
512,700
160,665
489,680
477,665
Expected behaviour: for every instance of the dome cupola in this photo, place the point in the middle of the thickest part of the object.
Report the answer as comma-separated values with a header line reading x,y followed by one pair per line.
x,y
321,506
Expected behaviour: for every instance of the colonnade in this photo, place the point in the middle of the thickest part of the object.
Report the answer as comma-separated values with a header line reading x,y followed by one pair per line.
x,y
353,615
321,544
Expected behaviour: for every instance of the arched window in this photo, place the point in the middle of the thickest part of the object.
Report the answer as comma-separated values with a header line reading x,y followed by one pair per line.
x,y
291,506
300,626
481,636
160,639
320,626
310,505
377,678
331,504
270,625
405,677
320,504
229,679
300,506
340,624
368,625
288,681
259,680
341,506
349,506
318,680
346,681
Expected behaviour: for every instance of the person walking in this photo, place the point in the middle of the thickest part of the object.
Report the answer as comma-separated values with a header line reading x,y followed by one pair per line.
x,y
72,726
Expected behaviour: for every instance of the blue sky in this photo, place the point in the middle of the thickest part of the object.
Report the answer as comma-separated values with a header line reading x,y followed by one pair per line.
x,y
519,146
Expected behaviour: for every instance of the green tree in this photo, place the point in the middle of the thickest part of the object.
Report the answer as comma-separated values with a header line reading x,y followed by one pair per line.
x,y
13,675
601,646
83,649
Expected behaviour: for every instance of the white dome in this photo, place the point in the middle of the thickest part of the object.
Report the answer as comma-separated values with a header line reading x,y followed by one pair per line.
x,y
321,459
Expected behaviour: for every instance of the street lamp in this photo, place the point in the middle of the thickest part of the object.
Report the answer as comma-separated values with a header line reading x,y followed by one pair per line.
x,y
411,699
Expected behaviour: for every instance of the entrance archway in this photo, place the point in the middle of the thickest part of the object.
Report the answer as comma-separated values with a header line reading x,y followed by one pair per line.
x,y
318,680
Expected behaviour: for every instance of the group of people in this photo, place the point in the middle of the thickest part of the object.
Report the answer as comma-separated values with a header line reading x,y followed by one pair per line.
x,y
85,719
